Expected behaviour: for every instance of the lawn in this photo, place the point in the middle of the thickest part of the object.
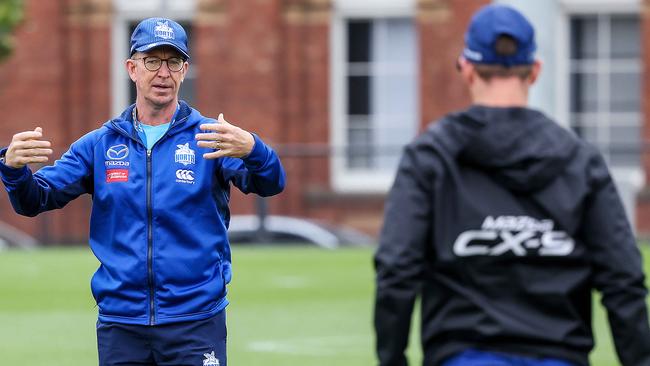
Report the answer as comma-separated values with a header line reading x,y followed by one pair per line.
x,y
289,306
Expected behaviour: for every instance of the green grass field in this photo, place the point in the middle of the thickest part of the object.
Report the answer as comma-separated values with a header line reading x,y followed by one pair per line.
x,y
289,306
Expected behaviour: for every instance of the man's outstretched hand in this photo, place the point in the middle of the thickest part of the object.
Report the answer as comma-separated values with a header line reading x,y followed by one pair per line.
x,y
225,138
27,148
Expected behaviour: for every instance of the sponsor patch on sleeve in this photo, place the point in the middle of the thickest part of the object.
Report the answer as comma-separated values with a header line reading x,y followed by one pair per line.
x,y
117,175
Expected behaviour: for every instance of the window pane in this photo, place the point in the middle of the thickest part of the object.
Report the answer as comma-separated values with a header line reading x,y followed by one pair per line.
x,y
625,137
625,92
584,92
359,151
382,91
585,126
584,32
625,145
625,37
395,121
358,95
394,89
606,103
394,40
359,33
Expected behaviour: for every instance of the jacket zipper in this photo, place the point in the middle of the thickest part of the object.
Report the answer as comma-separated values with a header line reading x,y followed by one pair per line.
x,y
150,276
151,280
152,315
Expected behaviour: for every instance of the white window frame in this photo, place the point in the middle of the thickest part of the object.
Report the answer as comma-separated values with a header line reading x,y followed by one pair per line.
x,y
571,8
343,179
126,12
629,180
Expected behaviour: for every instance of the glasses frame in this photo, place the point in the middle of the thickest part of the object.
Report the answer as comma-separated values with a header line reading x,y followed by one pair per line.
x,y
165,60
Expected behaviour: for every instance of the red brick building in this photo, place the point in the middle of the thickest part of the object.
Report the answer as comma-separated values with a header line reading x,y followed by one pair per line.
x,y
336,86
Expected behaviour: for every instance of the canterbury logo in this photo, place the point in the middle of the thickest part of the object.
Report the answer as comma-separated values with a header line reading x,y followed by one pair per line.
x,y
185,174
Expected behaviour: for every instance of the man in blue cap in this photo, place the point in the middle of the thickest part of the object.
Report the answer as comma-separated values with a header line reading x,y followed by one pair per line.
x,y
160,176
502,223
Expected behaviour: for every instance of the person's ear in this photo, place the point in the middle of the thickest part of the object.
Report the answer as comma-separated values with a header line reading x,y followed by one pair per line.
x,y
466,70
130,68
186,67
535,71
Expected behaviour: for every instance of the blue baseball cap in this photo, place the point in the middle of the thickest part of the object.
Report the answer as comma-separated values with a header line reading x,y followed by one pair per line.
x,y
156,32
487,25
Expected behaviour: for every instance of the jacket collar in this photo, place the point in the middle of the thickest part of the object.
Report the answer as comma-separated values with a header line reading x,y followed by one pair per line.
x,y
123,124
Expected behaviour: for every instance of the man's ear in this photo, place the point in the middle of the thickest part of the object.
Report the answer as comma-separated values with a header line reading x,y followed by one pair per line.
x,y
466,70
130,68
534,73
186,68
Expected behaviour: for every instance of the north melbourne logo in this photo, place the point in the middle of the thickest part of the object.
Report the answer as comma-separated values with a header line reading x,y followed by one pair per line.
x,y
184,154
521,235
210,359
163,30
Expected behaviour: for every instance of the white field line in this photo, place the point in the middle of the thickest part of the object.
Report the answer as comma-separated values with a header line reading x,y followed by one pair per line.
x,y
289,282
314,346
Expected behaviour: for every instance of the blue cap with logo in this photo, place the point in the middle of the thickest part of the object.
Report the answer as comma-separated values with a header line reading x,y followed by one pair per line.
x,y
156,32
487,25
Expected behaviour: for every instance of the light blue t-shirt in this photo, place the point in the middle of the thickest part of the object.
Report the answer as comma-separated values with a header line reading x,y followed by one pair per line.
x,y
151,134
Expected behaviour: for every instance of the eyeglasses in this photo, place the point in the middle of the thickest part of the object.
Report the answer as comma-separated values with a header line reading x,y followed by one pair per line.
x,y
153,63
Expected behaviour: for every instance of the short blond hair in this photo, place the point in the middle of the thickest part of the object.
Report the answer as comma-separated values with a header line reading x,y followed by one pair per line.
x,y
505,45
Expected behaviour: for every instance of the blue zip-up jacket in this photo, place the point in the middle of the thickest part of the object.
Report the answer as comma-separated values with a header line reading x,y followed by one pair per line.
x,y
159,217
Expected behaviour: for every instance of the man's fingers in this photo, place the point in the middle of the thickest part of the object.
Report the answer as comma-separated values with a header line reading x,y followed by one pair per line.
x,y
32,144
206,144
35,152
27,135
214,144
37,159
24,160
215,154
27,147
216,127
221,119
212,136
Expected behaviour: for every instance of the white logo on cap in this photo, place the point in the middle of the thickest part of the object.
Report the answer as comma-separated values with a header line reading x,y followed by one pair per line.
x,y
163,30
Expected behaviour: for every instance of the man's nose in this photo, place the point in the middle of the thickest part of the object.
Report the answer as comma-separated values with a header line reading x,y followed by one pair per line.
x,y
164,69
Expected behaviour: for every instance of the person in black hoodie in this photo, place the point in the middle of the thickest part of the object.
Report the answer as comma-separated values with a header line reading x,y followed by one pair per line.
x,y
502,223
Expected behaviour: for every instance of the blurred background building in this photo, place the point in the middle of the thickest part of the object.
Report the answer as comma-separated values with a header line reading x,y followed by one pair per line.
x,y
337,87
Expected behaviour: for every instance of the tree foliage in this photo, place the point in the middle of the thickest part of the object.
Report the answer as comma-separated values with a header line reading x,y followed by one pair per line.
x,y
11,13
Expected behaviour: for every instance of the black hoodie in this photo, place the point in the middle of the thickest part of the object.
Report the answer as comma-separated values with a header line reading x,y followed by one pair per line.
x,y
503,223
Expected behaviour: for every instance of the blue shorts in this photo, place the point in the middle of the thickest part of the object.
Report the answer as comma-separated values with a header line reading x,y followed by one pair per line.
x,y
200,342
473,357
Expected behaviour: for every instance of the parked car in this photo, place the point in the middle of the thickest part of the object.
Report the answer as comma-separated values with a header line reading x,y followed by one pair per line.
x,y
248,229
12,237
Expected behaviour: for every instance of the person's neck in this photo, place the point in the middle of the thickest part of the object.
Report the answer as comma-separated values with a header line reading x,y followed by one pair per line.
x,y
501,93
153,115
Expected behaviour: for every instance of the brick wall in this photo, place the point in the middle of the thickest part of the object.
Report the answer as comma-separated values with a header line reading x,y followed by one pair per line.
x,y
57,78
264,64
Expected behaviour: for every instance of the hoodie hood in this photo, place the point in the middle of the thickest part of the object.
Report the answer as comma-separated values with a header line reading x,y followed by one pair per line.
x,y
521,147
